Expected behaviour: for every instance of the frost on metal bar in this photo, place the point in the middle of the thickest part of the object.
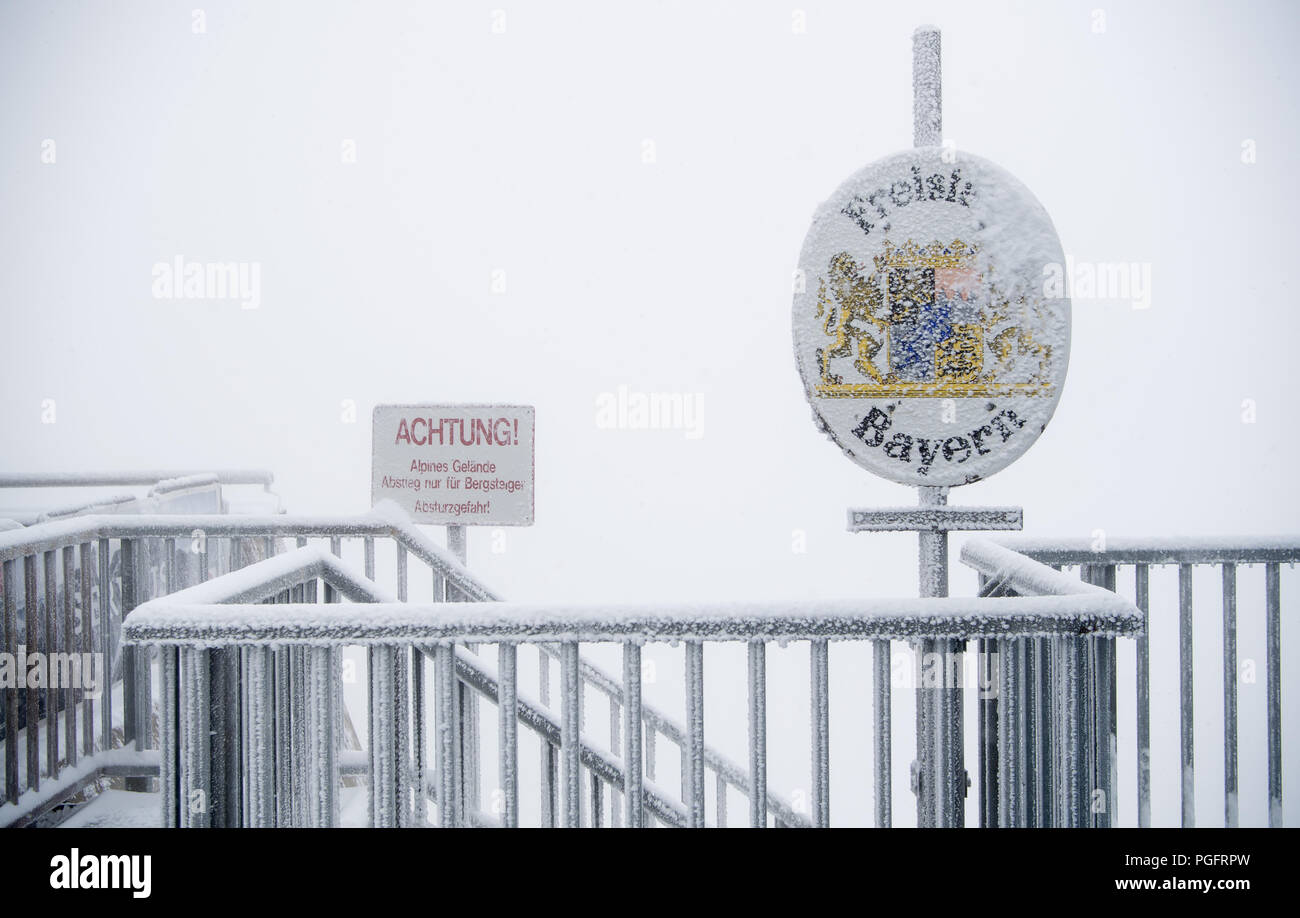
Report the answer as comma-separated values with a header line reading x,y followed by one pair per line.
x,y
12,787
927,95
935,519
880,652
1230,810
757,734
1166,550
570,707
509,751
1141,588
694,752
634,786
1186,696
120,479
168,620
1273,664
819,654
445,734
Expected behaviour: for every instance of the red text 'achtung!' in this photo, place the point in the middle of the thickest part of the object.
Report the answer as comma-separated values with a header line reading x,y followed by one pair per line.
x,y
462,431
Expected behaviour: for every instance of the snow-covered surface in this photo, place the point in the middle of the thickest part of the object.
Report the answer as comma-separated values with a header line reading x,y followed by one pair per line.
x,y
51,790
117,809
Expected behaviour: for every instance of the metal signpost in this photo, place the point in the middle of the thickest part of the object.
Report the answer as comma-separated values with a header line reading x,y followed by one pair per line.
x,y
933,356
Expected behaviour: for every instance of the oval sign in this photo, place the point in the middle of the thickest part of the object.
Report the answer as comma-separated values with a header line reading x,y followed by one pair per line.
x,y
930,327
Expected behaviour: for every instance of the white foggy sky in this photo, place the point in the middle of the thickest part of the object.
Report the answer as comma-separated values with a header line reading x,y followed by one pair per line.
x,y
523,152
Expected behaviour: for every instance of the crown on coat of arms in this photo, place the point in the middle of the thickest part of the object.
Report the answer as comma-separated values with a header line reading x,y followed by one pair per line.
x,y
934,255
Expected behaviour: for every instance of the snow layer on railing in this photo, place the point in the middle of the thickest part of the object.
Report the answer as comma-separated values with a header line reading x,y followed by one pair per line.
x,y
165,525
168,485
264,579
1022,573
86,479
386,519
106,504
1158,549
1094,612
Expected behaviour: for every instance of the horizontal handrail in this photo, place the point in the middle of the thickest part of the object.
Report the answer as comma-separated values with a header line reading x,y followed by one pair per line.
x,y
1172,550
165,621
111,479
381,522
1025,575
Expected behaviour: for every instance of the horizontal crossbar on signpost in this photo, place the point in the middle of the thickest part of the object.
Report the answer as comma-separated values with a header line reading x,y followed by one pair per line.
x,y
934,519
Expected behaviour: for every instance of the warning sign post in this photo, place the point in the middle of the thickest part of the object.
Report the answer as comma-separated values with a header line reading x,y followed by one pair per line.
x,y
460,465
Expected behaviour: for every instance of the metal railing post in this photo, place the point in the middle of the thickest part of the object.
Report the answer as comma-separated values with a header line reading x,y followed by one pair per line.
x,y
88,645
1186,696
508,716
1273,664
68,646
50,569
634,783
883,713
168,741
757,652
12,697
195,722
322,742
693,753
261,738
445,733
1230,812
106,645
384,763
1142,601
1011,739
31,705
570,702
819,663
1044,773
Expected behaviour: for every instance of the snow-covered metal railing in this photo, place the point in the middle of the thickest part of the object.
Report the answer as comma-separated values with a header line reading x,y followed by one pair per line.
x,y
129,560
396,725
81,576
1099,559
191,622
120,479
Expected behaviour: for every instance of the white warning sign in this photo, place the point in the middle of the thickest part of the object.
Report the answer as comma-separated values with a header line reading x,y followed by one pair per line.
x,y
467,464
